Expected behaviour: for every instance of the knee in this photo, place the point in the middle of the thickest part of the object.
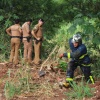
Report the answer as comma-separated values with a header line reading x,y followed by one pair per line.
x,y
71,64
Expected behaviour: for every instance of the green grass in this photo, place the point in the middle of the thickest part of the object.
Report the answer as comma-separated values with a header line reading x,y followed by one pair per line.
x,y
19,83
63,65
79,91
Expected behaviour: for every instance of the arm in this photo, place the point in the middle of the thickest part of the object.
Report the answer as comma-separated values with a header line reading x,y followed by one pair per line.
x,y
77,53
35,29
8,30
34,35
20,29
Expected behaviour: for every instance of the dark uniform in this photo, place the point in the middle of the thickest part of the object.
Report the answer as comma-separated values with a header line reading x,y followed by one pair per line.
x,y
79,57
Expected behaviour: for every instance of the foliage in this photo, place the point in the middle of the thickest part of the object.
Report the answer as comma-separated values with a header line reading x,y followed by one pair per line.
x,y
18,84
63,65
80,91
11,90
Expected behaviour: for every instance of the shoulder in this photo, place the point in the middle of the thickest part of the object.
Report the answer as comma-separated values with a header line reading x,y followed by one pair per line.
x,y
36,27
11,27
25,24
82,47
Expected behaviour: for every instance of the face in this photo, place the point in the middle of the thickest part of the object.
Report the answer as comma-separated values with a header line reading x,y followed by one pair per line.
x,y
75,44
29,22
40,23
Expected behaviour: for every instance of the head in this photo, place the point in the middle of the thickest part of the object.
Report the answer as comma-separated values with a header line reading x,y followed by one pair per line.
x,y
17,21
29,21
77,40
40,22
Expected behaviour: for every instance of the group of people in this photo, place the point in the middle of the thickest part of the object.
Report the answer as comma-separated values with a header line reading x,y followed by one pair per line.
x,y
23,33
78,49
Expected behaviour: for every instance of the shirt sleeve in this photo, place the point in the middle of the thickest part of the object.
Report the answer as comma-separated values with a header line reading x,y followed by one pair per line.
x,y
77,53
35,29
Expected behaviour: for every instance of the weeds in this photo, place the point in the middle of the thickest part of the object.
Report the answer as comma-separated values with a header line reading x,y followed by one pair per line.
x,y
10,90
19,83
63,65
80,91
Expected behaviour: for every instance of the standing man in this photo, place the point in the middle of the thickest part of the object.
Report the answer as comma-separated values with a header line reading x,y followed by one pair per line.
x,y
38,37
79,58
15,32
27,40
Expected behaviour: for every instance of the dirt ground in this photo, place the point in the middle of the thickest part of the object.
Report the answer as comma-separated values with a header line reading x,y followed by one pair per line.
x,y
48,85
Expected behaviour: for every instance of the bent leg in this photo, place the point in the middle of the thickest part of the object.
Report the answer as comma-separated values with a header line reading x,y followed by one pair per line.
x,y
70,70
87,73
70,73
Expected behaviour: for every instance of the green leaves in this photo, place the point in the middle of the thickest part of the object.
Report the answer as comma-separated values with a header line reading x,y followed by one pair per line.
x,y
63,66
10,90
1,18
78,15
7,23
59,1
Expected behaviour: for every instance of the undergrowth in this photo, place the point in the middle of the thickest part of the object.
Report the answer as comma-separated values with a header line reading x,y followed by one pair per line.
x,y
79,91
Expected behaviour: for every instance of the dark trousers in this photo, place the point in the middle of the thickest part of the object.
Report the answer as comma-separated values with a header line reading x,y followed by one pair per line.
x,y
73,65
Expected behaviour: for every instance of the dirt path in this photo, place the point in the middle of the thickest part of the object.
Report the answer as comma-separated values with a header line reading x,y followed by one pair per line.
x,y
41,88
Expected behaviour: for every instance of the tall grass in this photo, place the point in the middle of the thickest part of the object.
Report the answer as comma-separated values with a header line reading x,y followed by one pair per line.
x,y
79,91
19,83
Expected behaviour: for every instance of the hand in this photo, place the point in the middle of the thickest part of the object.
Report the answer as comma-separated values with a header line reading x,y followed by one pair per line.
x,y
61,55
38,38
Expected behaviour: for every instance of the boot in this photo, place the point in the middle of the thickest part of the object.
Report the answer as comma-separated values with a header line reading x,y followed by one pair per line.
x,y
66,84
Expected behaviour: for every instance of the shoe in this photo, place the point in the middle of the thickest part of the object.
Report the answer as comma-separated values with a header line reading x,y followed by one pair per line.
x,y
34,63
66,84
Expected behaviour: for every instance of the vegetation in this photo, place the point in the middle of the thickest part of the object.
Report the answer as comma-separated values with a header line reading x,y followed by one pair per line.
x,y
62,18
80,91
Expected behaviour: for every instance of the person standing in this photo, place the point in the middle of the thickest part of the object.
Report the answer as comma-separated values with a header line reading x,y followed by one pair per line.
x,y
79,57
38,37
15,32
27,40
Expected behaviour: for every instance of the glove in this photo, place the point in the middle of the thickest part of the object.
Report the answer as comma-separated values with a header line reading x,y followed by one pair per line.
x,y
61,55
